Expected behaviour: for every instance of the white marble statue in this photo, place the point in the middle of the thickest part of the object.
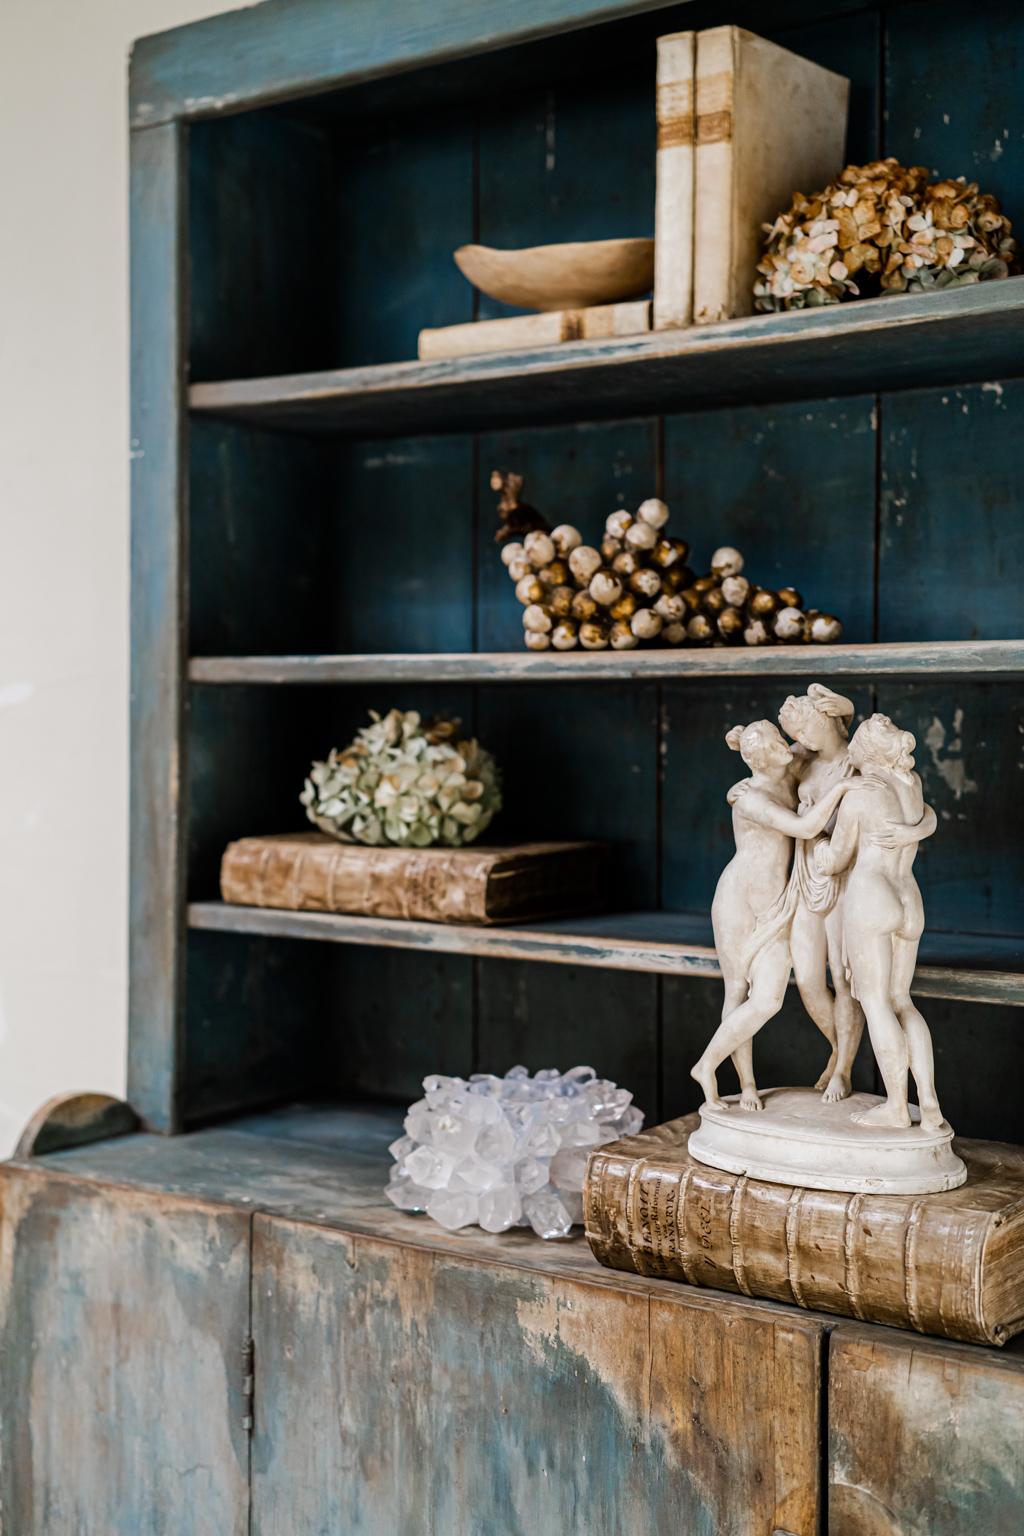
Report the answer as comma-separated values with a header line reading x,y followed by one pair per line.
x,y
822,882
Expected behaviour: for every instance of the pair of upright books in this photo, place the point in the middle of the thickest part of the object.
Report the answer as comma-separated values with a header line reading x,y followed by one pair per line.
x,y
742,125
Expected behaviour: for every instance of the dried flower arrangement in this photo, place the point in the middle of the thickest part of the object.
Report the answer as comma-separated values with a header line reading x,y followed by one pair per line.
x,y
882,228
406,783
637,589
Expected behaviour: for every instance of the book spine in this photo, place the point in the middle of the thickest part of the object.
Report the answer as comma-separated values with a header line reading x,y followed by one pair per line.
x,y
883,1259
713,174
543,330
673,202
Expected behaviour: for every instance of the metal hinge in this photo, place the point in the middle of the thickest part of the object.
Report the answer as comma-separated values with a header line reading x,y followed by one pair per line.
x,y
248,1382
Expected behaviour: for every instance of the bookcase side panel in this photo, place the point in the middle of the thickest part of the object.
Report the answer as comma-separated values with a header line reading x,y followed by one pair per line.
x,y
158,586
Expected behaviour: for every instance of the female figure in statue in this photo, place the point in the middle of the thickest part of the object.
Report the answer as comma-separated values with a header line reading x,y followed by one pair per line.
x,y
877,831
817,721
751,942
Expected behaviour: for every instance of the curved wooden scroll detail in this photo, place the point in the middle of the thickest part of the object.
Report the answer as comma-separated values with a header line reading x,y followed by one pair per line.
x,y
74,1120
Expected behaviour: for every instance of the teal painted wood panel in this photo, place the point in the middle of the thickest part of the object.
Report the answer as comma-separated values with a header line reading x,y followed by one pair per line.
x,y
537,152
793,488
122,1319
401,1391
954,78
922,1436
402,201
261,1024
396,1018
951,555
264,529
261,262
157,818
562,1016
403,558
289,47
573,770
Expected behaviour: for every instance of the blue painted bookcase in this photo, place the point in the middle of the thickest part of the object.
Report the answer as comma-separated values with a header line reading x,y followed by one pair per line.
x,y
220,1309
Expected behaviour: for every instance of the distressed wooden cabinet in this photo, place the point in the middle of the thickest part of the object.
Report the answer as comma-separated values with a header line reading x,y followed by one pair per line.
x,y
312,536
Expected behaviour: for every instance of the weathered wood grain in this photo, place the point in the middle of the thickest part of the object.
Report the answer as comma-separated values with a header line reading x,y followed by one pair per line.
x,y
889,343
158,635
667,943
401,1391
290,47
122,1319
980,657
924,1439
72,1120
946,453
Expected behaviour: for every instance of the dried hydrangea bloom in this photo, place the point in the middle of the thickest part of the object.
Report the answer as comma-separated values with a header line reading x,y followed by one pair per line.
x,y
882,227
404,783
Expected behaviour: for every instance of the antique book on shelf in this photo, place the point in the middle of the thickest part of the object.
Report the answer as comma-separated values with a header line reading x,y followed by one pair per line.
x,y
769,123
311,872
545,329
673,197
949,1264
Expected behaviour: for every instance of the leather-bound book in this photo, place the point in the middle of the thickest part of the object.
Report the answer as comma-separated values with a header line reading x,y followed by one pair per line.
x,y
950,1264
311,872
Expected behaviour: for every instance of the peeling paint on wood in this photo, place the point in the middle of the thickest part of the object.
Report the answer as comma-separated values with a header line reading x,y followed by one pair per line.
x,y
121,1318
924,1438
405,1391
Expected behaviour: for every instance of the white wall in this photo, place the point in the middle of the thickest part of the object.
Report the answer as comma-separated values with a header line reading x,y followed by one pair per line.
x,y
64,541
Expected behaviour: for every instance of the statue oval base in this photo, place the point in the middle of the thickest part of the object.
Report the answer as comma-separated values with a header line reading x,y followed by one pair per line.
x,y
798,1139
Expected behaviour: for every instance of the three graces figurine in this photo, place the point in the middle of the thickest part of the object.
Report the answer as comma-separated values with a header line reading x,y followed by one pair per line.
x,y
823,879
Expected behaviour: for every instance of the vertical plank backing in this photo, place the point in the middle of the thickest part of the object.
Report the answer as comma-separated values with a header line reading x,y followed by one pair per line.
x,y
793,488
951,556
401,1392
403,201
121,1326
403,559
263,528
924,1438
261,268
157,623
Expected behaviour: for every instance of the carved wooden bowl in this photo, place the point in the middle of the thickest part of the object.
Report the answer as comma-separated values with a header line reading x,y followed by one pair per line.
x,y
570,276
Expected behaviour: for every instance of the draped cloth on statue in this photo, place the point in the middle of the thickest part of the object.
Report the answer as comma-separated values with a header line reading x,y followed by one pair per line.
x,y
806,887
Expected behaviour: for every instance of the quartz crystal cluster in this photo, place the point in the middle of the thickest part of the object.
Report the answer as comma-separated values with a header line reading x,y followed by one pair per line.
x,y
405,782
507,1151
882,227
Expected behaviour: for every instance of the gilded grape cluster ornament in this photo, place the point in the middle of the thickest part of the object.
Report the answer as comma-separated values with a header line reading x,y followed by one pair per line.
x,y
636,589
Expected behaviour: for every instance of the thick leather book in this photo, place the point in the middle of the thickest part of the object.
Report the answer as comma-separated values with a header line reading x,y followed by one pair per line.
x,y
950,1264
769,123
311,872
546,329
673,196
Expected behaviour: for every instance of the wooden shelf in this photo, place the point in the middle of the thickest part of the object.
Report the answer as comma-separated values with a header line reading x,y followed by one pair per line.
x,y
987,658
900,342
963,968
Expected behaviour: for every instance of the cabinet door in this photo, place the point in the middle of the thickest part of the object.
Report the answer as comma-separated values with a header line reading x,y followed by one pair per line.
x,y
122,1321
925,1438
405,1392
